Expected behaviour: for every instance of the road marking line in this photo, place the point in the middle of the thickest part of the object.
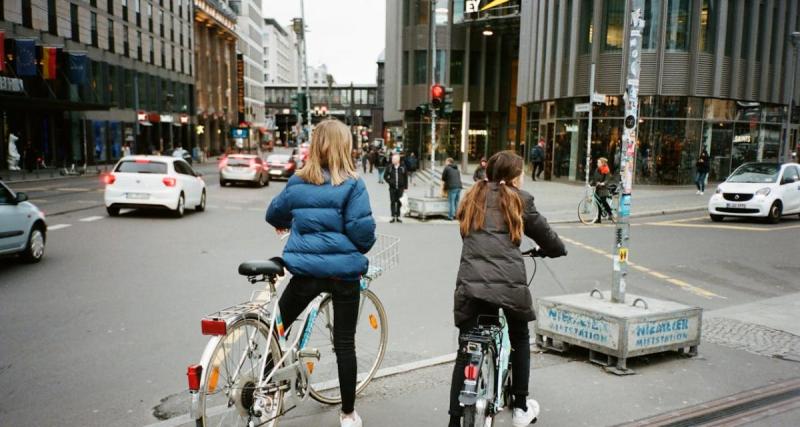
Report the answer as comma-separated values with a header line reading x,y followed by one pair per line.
x,y
90,218
233,208
58,227
76,190
677,282
212,206
37,200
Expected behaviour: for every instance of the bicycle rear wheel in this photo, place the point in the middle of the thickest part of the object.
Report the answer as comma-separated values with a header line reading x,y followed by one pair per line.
x,y
228,398
479,414
372,332
588,210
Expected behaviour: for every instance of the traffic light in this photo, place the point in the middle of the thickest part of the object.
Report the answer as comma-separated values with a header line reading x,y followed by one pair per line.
x,y
299,103
447,108
437,96
423,110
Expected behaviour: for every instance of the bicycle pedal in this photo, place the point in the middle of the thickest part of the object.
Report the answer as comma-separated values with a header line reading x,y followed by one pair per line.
x,y
309,354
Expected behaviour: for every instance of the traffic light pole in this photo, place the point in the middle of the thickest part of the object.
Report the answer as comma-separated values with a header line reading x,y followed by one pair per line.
x,y
433,82
305,70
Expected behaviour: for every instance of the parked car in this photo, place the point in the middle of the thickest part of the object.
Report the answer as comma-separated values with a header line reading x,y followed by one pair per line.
x,y
767,190
180,153
154,182
243,168
281,166
23,229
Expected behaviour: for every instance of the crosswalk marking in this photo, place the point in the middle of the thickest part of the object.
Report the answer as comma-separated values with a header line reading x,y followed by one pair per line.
x,y
90,218
58,227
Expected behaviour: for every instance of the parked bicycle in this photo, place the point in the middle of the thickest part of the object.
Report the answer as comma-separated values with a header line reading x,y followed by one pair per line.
x,y
591,205
252,371
487,375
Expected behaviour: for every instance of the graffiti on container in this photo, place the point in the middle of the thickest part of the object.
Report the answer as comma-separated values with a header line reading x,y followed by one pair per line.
x,y
579,326
663,332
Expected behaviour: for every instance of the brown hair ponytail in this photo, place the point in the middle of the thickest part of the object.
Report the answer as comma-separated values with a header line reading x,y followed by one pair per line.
x,y
503,168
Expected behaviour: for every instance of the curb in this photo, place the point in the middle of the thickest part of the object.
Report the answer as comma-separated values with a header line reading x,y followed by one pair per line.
x,y
642,215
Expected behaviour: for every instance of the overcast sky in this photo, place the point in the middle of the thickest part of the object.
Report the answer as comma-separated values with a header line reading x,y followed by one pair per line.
x,y
346,35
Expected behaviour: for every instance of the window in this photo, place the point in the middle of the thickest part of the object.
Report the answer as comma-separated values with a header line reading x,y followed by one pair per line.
x,y
138,9
161,22
475,68
420,67
761,30
406,5
5,196
139,45
614,25
458,11
94,28
150,17
111,40
678,20
27,15
790,175
172,29
440,65
75,28
126,45
423,12
52,20
652,28
586,29
404,65
110,7
124,9
457,67
732,9
152,50
93,3
142,167
779,22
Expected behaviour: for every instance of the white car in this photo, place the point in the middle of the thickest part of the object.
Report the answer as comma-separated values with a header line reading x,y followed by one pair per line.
x,y
22,226
767,190
157,182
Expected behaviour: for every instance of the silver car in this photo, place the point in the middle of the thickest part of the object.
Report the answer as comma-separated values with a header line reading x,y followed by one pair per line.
x,y
22,227
247,168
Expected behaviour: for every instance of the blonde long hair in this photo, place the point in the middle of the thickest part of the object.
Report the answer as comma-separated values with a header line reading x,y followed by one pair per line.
x,y
503,168
330,150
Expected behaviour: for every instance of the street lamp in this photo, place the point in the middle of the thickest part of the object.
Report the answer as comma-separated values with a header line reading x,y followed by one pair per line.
x,y
169,97
795,38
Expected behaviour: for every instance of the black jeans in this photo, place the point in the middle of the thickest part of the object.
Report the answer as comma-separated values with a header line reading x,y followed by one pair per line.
x,y
395,194
538,168
346,296
520,358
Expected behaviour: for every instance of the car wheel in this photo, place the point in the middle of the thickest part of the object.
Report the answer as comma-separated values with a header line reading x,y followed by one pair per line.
x,y
716,218
179,210
262,181
112,211
202,206
774,215
266,183
34,251
222,183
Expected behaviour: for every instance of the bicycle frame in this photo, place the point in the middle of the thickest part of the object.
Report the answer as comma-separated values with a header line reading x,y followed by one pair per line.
x,y
476,350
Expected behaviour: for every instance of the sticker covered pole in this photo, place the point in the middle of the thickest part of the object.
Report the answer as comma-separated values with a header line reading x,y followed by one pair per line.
x,y
628,152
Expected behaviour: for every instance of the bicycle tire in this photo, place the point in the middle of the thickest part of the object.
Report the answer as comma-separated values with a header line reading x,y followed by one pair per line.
x,y
324,386
216,413
587,211
486,379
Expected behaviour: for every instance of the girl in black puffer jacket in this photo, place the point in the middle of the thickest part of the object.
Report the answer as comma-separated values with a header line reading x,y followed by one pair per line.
x,y
493,218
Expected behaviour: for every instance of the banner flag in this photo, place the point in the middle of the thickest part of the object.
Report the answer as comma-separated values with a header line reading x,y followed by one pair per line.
x,y
49,55
77,68
26,57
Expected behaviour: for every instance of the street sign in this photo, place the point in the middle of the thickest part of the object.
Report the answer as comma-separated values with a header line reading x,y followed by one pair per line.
x,y
598,98
583,108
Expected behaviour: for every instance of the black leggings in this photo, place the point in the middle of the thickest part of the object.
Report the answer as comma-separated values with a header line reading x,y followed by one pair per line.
x,y
346,296
520,358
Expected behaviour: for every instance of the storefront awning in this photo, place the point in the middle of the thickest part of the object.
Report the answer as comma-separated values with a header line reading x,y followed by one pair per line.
x,y
27,103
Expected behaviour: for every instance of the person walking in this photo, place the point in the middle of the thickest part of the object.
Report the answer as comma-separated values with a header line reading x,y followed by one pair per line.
x,y
702,171
493,219
381,164
600,179
412,164
451,180
364,160
396,176
325,208
373,158
480,171
537,157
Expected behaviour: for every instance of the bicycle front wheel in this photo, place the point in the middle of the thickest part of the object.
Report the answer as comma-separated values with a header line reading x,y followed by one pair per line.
x,y
230,377
588,210
479,414
372,332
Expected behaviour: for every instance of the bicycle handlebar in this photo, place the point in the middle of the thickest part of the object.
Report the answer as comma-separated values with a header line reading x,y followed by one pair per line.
x,y
537,253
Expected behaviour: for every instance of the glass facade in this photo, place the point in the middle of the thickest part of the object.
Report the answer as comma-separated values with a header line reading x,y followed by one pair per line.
x,y
678,24
672,132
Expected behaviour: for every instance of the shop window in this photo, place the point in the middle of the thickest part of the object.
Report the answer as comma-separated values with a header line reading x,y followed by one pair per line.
x,y
441,12
420,67
652,28
586,29
457,67
745,144
613,25
423,12
718,109
458,11
748,111
566,107
678,24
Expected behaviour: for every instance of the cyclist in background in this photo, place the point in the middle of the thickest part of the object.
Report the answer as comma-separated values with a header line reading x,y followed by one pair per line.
x,y
326,208
494,216
600,179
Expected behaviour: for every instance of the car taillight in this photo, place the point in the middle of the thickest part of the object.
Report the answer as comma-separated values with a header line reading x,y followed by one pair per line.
x,y
169,181
253,164
213,327
223,163
471,372
109,179
142,161
193,373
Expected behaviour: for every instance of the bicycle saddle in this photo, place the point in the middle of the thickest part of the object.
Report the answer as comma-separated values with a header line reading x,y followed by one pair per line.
x,y
272,267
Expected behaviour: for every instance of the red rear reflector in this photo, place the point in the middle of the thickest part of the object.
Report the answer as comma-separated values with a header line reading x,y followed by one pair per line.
x,y
471,372
169,181
109,179
213,327
193,373
142,161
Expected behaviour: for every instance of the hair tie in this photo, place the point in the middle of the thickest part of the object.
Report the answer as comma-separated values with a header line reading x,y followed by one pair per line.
x,y
502,182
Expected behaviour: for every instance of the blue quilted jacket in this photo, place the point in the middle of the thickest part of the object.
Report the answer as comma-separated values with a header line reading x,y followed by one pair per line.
x,y
331,228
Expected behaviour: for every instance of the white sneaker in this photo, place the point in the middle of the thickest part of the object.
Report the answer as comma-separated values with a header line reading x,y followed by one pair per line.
x,y
697,192
523,418
701,193
352,420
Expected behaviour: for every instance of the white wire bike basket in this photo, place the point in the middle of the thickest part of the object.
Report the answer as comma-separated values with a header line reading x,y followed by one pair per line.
x,y
383,256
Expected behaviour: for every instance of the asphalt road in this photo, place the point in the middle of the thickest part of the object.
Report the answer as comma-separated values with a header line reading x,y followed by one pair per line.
x,y
101,331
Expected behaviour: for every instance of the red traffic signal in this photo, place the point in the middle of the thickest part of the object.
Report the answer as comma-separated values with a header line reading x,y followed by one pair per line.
x,y
437,95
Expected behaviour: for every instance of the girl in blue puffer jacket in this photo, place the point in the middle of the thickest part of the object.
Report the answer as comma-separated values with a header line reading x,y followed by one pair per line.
x,y
325,207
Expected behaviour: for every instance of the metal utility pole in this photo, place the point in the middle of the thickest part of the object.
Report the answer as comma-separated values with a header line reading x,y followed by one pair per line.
x,y
787,124
627,156
589,133
305,67
297,25
433,81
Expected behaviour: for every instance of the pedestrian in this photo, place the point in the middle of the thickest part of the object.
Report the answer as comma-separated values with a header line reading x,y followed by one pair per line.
x,y
13,156
325,209
702,171
493,219
364,160
412,164
480,171
382,162
126,150
373,158
396,176
600,179
451,181
537,157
